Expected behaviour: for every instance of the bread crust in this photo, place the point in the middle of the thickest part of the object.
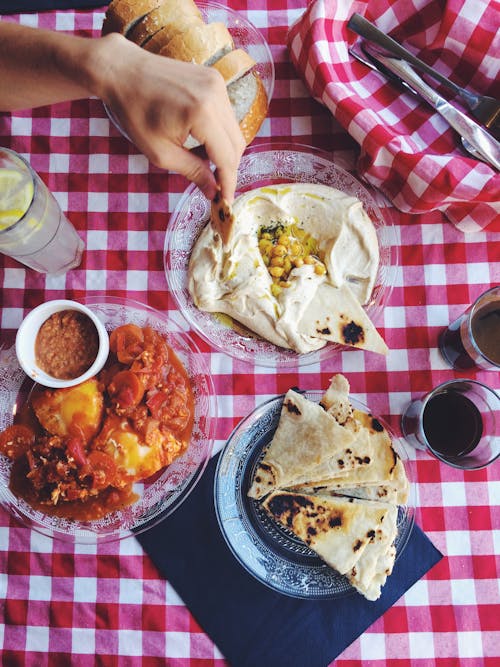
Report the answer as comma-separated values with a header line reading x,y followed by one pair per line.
x,y
169,30
199,43
122,14
254,118
234,65
169,13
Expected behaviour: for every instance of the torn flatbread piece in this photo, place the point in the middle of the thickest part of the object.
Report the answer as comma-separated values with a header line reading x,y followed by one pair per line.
x,y
305,438
337,529
336,399
386,468
337,316
375,564
222,218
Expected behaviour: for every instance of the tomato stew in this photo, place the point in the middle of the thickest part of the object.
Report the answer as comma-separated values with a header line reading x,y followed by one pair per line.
x,y
78,451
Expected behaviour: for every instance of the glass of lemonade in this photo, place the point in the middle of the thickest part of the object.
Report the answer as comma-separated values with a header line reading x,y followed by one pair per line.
x,y
33,229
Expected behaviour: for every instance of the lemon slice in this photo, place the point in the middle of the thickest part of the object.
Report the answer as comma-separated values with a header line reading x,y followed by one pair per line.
x,y
16,193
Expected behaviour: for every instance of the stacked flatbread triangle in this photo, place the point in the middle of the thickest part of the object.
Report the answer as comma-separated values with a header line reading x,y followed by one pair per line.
x,y
332,477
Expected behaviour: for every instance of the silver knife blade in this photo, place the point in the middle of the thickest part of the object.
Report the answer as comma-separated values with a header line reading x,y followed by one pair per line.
x,y
481,140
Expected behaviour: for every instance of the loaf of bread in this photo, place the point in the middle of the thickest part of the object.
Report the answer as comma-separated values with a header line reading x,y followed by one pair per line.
x,y
176,29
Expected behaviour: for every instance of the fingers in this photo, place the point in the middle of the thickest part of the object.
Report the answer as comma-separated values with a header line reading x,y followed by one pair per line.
x,y
194,168
218,130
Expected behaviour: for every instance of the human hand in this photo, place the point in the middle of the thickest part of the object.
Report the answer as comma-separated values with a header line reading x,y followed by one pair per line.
x,y
159,102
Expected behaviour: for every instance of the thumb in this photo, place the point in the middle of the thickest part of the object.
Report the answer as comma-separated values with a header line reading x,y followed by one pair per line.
x,y
193,168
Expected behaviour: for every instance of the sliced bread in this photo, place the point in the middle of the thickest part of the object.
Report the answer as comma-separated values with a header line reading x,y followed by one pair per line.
x,y
234,65
249,100
201,44
169,13
122,15
161,38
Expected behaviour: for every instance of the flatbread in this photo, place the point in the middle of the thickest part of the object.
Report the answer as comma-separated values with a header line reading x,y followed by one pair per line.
x,y
381,492
336,399
358,454
305,438
335,315
375,564
337,529
386,468
222,218
344,510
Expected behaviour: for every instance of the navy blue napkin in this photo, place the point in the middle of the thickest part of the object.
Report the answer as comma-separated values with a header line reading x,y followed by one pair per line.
x,y
20,6
250,623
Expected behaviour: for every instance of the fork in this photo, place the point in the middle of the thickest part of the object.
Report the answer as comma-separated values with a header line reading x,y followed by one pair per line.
x,y
483,108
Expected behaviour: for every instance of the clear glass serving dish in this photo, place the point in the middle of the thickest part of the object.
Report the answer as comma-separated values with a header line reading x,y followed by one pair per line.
x,y
158,496
269,552
267,164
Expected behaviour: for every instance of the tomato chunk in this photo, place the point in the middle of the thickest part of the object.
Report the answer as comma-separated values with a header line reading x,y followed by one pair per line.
x,y
103,469
16,440
126,390
127,342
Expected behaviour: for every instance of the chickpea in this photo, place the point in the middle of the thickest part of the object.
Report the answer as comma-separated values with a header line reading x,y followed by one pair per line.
x,y
309,259
276,271
320,269
279,250
277,261
298,262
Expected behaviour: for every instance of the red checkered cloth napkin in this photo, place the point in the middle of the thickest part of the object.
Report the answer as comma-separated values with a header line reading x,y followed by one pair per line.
x,y
407,151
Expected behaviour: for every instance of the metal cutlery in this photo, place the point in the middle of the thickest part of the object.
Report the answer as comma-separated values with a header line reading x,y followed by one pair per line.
x,y
475,139
483,108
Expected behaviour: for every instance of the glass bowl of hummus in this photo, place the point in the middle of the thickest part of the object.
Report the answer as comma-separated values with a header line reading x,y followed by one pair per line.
x,y
116,454
363,262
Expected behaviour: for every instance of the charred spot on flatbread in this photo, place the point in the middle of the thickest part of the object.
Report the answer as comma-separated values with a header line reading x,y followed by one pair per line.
x,y
376,425
292,407
222,218
352,333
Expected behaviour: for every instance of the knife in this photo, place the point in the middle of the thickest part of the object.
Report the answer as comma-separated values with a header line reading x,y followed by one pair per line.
x,y
473,134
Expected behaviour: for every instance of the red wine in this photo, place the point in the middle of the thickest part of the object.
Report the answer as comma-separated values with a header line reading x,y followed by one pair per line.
x,y
452,424
485,327
452,348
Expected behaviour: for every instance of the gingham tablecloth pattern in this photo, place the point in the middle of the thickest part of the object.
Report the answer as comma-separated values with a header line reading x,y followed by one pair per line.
x,y
407,149
107,604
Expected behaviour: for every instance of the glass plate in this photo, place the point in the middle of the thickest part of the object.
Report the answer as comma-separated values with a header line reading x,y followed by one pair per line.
x,y
262,165
269,552
245,36
158,497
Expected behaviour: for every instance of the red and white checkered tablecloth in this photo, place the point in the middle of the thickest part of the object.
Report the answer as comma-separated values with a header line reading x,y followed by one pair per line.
x,y
108,605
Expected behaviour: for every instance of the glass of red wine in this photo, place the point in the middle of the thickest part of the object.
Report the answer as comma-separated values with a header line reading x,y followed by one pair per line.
x,y
458,422
474,338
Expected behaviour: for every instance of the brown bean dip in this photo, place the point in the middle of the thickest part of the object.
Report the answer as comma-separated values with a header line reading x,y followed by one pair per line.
x,y
66,344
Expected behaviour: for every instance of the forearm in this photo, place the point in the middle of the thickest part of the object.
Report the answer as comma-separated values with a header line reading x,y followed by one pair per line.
x,y
41,67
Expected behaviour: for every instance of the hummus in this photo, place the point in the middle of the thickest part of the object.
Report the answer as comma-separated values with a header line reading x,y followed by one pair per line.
x,y
320,293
